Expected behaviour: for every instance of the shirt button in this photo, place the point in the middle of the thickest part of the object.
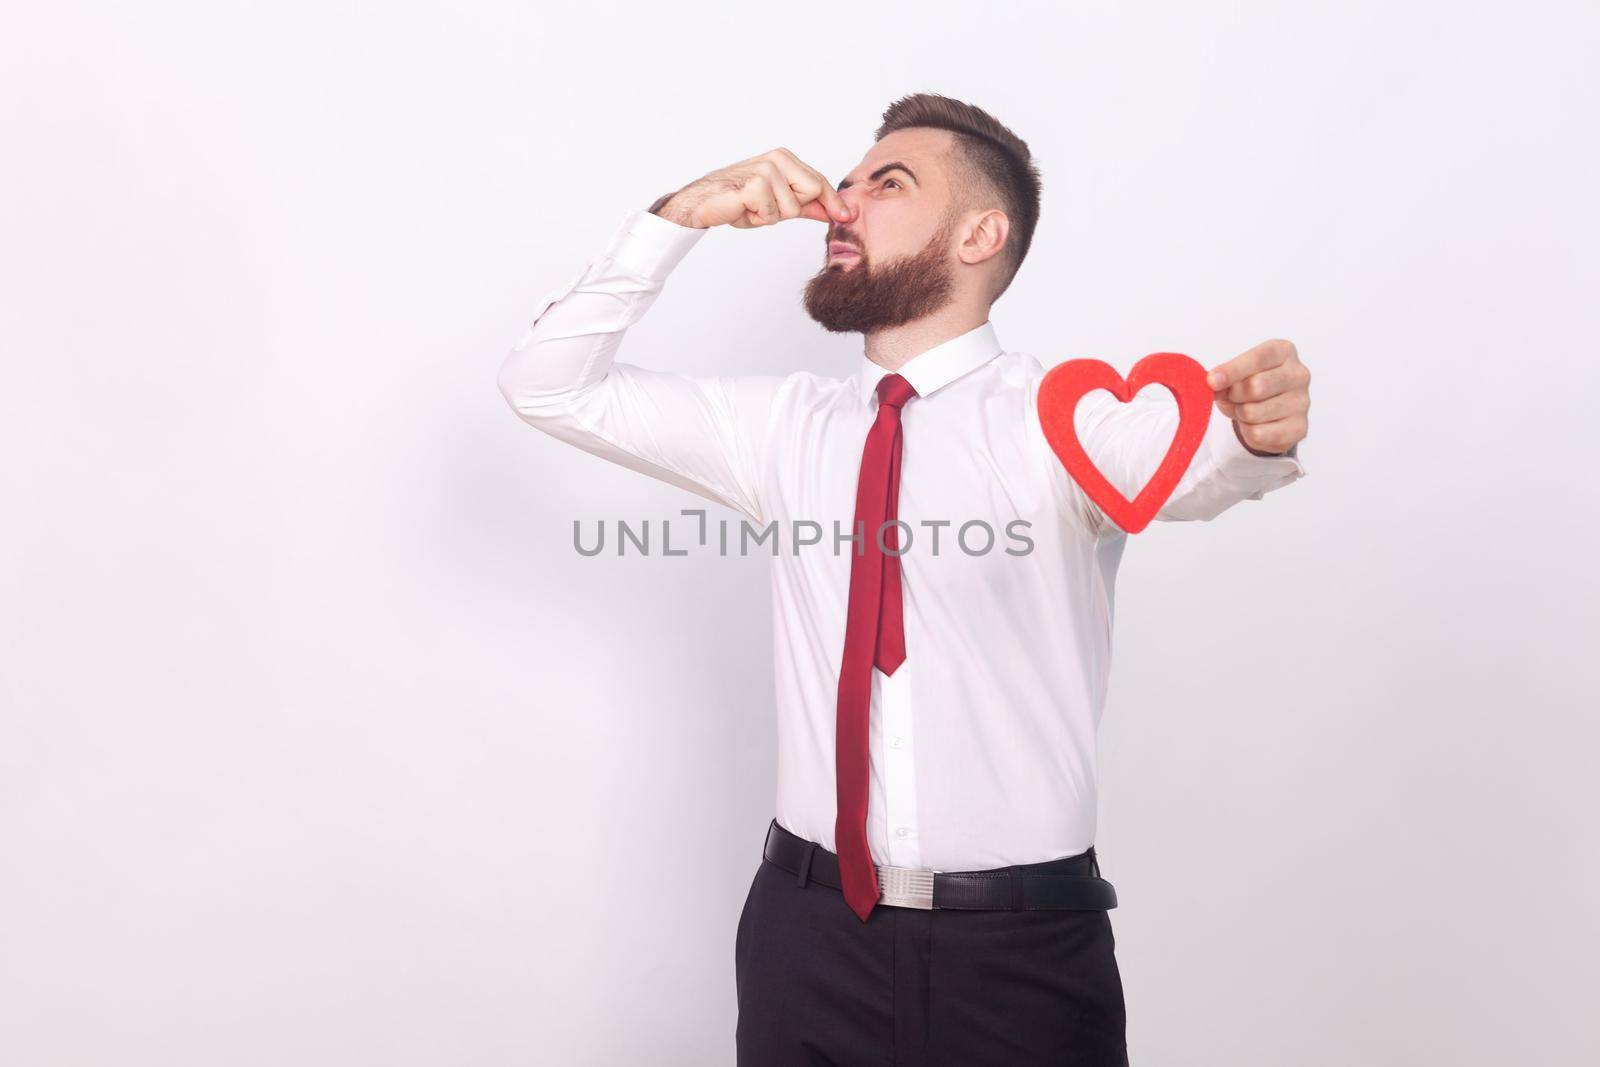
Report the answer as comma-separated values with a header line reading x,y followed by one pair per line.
x,y
902,831
897,742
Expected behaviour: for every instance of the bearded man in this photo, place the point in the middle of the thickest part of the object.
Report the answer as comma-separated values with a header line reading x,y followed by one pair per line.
x,y
928,890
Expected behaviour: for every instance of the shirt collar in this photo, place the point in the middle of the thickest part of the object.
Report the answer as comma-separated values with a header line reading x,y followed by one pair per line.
x,y
938,366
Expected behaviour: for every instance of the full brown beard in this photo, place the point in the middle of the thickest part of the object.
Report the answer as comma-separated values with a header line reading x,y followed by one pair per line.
x,y
865,297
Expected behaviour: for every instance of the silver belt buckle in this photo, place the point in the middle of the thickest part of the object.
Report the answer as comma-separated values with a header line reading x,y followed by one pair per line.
x,y
905,887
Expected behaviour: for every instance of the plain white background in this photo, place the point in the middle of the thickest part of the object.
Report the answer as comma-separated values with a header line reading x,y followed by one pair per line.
x,y
319,744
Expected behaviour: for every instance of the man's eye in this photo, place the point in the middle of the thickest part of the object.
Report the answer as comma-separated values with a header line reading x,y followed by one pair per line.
x,y
892,182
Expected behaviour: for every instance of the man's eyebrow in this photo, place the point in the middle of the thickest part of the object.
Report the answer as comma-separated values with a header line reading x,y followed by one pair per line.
x,y
880,172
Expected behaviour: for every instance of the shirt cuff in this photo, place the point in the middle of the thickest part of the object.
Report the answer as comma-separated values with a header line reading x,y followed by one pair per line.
x,y
650,246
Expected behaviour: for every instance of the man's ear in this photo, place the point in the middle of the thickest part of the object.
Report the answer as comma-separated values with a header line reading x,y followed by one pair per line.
x,y
985,238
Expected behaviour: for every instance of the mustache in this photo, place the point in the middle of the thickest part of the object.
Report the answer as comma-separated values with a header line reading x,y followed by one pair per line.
x,y
847,236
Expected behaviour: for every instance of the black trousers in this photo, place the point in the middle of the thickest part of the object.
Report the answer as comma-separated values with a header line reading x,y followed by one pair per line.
x,y
917,988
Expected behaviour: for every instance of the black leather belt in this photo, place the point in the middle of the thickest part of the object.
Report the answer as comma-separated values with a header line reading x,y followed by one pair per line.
x,y
1071,882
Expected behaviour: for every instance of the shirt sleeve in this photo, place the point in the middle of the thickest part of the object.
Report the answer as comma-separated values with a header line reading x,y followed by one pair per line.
x,y
705,434
1128,441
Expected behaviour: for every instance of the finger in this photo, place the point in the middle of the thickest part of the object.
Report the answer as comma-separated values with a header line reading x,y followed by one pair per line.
x,y
838,210
1278,436
1262,356
1268,383
782,191
1272,409
828,207
810,184
805,182
760,205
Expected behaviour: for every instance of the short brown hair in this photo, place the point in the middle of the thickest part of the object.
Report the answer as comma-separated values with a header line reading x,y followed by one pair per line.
x,y
992,156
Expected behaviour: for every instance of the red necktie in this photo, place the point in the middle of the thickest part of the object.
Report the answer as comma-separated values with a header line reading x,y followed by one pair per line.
x,y
873,633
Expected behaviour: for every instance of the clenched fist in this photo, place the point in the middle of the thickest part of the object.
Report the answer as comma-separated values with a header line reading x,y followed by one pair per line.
x,y
756,192
1266,392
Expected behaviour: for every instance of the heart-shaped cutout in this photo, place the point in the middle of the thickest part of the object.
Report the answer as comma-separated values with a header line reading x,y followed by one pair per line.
x,y
1066,383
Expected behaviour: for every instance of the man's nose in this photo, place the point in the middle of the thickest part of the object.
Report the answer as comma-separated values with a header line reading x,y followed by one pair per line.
x,y
852,201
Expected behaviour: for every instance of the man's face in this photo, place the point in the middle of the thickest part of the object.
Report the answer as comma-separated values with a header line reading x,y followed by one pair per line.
x,y
892,263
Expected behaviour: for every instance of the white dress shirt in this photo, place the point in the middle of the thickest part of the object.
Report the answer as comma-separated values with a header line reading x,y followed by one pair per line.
x,y
982,743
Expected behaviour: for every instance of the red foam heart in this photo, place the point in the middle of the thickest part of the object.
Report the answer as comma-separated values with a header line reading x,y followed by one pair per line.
x,y
1065,385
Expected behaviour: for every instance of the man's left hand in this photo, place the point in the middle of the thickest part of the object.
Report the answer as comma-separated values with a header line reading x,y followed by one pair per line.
x,y
1266,392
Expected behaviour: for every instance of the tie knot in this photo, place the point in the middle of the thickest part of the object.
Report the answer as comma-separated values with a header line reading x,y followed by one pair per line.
x,y
894,390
